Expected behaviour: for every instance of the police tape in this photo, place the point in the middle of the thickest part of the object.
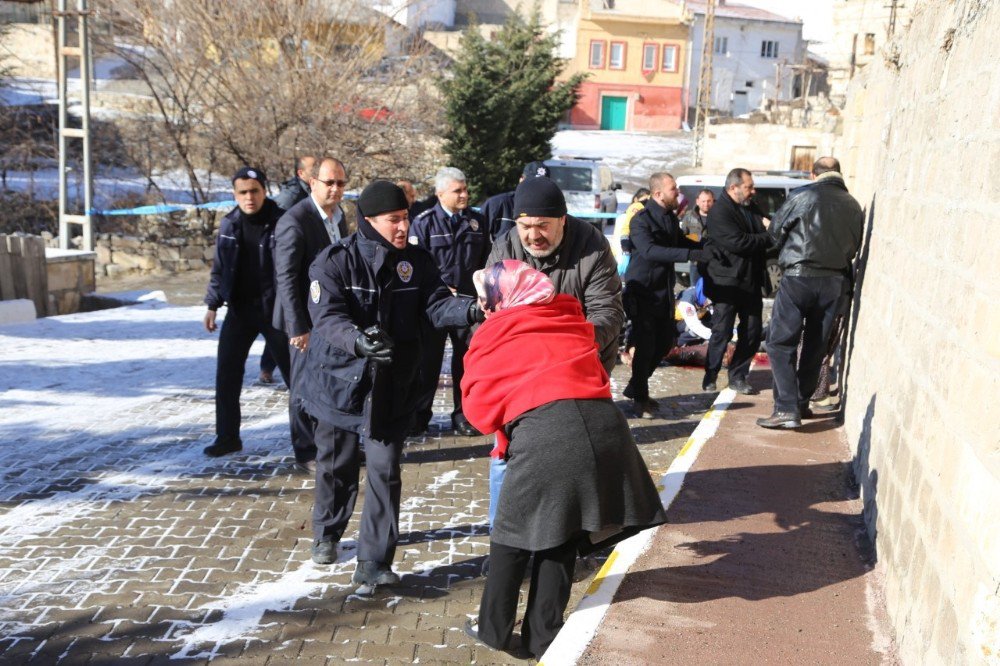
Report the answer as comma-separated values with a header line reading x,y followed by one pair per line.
x,y
164,209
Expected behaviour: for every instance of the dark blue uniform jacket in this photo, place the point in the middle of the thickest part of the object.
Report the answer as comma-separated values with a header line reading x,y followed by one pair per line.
x,y
222,280
354,284
459,244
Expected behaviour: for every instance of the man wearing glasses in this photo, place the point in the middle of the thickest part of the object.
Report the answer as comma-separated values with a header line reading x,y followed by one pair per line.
x,y
306,228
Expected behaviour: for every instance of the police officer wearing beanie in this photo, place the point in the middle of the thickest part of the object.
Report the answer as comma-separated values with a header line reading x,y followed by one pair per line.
x,y
366,294
459,241
242,278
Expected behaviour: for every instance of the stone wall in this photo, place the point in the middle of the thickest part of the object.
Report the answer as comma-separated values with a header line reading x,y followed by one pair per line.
x,y
922,133
71,277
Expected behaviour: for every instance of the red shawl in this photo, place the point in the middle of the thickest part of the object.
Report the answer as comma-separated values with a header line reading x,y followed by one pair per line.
x,y
528,356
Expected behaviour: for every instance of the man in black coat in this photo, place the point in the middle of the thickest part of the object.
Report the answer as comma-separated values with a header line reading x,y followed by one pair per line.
x,y
499,209
457,238
296,188
734,280
818,232
365,296
657,243
309,226
242,278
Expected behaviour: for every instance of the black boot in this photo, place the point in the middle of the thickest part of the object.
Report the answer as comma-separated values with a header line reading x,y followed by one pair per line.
x,y
374,573
224,446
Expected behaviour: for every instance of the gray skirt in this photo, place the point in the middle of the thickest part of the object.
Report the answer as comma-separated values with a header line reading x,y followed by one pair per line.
x,y
573,471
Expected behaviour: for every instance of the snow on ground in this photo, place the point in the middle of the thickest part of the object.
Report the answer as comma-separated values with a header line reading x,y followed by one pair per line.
x,y
632,156
83,368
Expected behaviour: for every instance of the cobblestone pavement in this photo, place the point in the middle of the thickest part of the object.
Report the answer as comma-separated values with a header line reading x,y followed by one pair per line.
x,y
120,542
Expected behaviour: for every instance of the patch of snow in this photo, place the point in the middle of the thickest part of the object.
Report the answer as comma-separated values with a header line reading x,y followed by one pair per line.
x,y
632,156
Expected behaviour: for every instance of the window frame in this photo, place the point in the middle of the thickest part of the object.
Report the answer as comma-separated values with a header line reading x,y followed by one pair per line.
x,y
723,41
769,49
624,62
656,56
604,54
676,59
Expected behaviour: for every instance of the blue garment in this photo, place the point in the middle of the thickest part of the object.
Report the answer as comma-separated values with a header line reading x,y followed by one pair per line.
x,y
498,469
458,242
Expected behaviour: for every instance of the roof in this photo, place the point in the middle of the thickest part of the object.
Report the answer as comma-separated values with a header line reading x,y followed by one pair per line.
x,y
737,11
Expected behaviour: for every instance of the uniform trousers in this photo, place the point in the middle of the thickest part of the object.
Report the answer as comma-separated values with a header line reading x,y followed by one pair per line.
x,y
338,465
653,334
239,329
548,595
430,369
728,306
303,425
805,309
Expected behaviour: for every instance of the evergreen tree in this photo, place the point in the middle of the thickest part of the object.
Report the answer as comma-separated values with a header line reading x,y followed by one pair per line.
x,y
502,103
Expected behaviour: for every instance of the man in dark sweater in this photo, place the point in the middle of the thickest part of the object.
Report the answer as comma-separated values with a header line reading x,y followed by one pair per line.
x,y
242,278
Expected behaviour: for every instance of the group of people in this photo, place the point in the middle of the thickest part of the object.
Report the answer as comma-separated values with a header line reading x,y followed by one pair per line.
x,y
532,302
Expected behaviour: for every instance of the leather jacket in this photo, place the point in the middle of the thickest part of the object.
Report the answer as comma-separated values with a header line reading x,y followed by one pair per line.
x,y
818,229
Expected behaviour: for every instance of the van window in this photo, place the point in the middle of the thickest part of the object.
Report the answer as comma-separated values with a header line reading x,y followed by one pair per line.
x,y
572,179
769,199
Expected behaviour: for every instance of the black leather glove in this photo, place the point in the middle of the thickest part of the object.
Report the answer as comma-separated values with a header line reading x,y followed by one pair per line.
x,y
375,344
700,255
476,313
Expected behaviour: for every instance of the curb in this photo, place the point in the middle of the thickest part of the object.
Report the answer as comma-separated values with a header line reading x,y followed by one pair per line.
x,y
583,623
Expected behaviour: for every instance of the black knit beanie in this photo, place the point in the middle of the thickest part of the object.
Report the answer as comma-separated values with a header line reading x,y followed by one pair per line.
x,y
539,197
380,197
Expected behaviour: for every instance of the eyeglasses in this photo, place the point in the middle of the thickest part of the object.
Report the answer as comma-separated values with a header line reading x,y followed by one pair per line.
x,y
331,183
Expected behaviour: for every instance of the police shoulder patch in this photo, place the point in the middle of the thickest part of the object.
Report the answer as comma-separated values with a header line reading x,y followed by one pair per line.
x,y
314,291
474,223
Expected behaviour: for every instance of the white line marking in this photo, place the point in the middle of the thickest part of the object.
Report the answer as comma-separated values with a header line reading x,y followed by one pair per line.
x,y
582,624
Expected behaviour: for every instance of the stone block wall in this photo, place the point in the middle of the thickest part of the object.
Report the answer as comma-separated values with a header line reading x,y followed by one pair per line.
x,y
71,276
922,135
758,146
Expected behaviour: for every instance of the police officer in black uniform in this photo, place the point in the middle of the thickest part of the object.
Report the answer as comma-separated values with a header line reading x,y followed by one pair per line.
x,y
499,209
459,241
242,277
365,296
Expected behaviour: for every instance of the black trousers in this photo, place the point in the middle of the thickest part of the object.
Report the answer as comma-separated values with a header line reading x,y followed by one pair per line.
x,y
430,369
267,362
338,465
239,330
805,309
653,334
548,595
303,425
731,305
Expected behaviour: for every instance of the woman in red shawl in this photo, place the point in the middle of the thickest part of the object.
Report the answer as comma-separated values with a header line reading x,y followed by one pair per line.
x,y
575,480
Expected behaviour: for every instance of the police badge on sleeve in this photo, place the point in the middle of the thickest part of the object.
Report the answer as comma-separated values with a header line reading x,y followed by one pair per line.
x,y
404,270
474,224
314,291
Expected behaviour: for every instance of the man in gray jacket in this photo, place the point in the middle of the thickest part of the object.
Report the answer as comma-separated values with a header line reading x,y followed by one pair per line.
x,y
818,232
578,259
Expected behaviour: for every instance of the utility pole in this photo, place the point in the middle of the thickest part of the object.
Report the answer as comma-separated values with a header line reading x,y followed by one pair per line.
x,y
81,51
893,7
704,103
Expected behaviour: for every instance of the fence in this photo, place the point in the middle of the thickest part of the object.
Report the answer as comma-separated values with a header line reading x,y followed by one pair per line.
x,y
23,270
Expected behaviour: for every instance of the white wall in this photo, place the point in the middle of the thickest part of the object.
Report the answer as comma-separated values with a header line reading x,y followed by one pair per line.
x,y
417,13
743,63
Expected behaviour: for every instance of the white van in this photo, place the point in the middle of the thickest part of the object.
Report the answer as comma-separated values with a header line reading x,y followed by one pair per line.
x,y
771,193
588,186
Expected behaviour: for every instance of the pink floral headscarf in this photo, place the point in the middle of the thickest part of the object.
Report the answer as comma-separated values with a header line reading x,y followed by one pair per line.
x,y
509,283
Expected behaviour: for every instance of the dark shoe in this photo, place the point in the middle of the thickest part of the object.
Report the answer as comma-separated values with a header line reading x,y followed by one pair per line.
x,y
708,385
780,420
265,377
418,430
324,551
645,409
374,573
486,566
742,387
224,446
463,427
307,467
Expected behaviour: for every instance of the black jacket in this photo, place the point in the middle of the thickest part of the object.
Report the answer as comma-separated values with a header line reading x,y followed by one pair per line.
x,y
223,277
292,191
298,238
818,229
354,284
459,245
657,243
499,213
738,243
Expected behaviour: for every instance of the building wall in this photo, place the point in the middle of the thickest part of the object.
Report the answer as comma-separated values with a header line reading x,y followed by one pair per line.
x,y
924,354
656,96
860,34
742,62
759,146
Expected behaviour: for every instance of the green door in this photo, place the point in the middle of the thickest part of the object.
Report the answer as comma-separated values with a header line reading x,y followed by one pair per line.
x,y
613,112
